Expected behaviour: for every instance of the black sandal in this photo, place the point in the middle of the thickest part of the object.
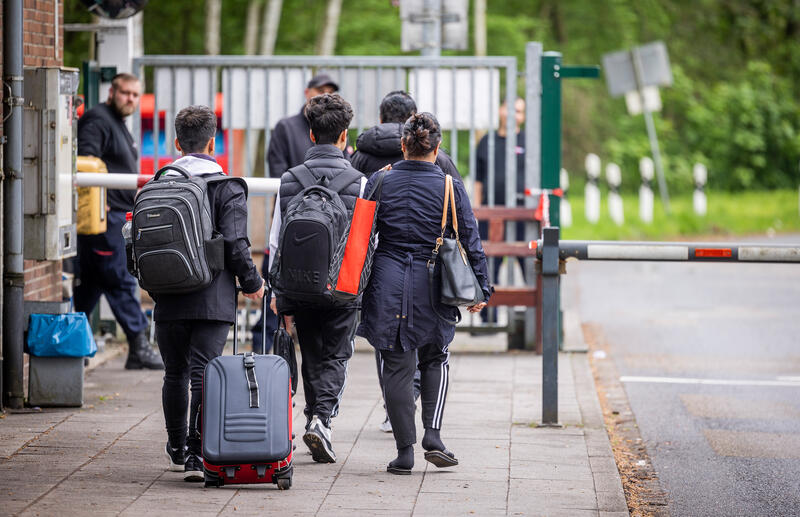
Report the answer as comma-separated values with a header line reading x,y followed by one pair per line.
x,y
441,459
400,471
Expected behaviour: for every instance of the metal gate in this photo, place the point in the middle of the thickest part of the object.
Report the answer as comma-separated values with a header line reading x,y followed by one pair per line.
x,y
254,92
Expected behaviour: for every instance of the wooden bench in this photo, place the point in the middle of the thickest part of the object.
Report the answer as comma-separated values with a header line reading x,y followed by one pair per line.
x,y
496,246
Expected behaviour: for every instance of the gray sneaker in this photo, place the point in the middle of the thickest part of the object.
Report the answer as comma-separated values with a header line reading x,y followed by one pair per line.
x,y
318,440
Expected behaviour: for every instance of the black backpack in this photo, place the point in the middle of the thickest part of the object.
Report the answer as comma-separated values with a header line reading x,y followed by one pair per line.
x,y
175,247
311,228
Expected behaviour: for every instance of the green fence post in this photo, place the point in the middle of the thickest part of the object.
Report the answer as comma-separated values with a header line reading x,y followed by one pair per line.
x,y
551,128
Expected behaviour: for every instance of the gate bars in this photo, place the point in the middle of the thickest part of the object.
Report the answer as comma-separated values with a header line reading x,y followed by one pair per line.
x,y
552,252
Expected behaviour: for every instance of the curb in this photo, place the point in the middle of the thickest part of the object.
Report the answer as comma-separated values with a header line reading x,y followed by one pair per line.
x,y
607,481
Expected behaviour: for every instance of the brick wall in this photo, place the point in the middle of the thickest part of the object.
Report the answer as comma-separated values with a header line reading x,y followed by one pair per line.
x,y
41,47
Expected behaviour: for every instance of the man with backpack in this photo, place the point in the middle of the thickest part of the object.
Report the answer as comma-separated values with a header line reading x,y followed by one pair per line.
x,y
192,327
312,209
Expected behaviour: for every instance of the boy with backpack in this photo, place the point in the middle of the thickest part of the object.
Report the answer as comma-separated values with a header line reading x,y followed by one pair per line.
x,y
192,322
312,209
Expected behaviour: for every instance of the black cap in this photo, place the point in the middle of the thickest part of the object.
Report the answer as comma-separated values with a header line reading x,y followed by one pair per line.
x,y
322,80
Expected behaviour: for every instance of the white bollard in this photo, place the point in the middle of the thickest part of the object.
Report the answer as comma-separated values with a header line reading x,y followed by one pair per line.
x,y
615,208
592,192
565,212
646,169
699,201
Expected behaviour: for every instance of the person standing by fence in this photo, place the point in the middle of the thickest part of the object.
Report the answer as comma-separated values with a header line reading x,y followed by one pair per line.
x,y
101,260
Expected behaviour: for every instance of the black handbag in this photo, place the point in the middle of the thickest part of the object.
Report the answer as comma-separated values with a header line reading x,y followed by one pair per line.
x,y
283,346
458,284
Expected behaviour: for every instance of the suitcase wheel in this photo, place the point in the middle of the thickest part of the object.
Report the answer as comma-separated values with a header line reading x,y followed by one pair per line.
x,y
211,479
285,483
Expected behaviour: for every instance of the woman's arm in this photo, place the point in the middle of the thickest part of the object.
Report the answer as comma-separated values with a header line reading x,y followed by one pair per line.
x,y
470,238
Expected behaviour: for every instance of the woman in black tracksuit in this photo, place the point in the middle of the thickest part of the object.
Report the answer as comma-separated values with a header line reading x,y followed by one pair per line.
x,y
397,316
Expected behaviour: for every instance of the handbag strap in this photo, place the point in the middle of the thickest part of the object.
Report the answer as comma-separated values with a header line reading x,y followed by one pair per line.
x,y
450,193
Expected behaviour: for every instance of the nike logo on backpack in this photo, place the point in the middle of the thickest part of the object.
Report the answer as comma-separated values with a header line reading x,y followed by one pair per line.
x,y
298,240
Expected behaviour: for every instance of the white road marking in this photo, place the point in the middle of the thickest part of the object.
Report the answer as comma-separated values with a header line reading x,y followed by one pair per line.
x,y
793,382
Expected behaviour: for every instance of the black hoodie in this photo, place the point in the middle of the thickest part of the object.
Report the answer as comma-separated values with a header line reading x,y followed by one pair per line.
x,y
380,146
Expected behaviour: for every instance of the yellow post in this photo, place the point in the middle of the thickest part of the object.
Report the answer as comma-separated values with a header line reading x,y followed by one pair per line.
x,y
91,200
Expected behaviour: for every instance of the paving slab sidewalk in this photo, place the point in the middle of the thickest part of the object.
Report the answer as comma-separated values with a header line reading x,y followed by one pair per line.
x,y
107,458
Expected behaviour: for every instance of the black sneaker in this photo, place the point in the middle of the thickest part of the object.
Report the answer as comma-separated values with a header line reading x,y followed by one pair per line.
x,y
318,440
177,458
194,468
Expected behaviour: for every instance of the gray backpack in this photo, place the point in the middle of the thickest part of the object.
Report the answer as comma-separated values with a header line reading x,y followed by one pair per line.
x,y
175,247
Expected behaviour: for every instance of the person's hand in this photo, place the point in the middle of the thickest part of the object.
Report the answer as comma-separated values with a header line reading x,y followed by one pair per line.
x,y
477,307
386,167
273,305
258,294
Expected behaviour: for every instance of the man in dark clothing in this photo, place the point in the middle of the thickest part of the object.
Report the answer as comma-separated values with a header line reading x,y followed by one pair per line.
x,y
101,265
482,179
482,163
325,329
380,145
289,141
192,328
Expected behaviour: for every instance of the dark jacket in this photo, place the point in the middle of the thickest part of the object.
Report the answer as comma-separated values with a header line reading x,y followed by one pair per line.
x,y
288,144
482,169
102,133
380,145
396,306
327,161
218,300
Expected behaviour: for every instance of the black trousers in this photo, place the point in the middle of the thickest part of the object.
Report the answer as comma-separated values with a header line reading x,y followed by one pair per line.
x,y
398,383
379,364
326,345
101,267
186,347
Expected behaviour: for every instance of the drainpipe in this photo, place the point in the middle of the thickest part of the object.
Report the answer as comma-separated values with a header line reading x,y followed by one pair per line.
x,y
13,265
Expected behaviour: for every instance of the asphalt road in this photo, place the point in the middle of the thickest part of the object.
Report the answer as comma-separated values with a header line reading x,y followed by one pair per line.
x,y
730,445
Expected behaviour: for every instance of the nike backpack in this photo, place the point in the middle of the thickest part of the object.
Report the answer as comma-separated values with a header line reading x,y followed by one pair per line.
x,y
174,246
314,222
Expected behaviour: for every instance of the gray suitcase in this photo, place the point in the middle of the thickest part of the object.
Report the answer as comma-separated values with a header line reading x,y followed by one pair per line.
x,y
247,419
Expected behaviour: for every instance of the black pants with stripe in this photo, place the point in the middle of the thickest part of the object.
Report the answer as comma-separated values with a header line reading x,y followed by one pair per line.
x,y
398,384
326,345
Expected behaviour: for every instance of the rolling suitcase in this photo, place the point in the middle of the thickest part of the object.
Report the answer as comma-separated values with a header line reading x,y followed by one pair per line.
x,y
247,419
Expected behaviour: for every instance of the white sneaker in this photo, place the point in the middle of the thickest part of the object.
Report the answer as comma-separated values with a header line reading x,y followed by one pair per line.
x,y
318,440
386,426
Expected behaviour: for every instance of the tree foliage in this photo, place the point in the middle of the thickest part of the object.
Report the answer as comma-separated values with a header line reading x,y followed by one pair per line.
x,y
736,65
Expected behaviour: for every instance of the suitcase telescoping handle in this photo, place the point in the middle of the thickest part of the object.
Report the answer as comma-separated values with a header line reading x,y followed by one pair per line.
x,y
264,309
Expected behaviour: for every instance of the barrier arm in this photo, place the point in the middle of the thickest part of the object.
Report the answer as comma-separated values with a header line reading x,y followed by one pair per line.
x,y
551,253
136,181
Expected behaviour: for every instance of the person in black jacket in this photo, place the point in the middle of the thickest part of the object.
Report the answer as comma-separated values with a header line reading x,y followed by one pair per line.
x,y
289,141
101,265
399,317
192,328
325,328
380,145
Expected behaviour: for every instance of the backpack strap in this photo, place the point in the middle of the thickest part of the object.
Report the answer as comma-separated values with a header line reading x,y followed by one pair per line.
x,y
219,177
303,175
343,179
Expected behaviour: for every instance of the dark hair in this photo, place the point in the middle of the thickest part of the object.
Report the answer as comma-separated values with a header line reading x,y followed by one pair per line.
x,y
328,115
421,134
397,106
122,78
194,127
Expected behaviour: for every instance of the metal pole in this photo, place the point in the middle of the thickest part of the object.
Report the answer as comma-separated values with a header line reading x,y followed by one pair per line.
x,y
651,130
13,265
432,28
551,128
533,125
550,286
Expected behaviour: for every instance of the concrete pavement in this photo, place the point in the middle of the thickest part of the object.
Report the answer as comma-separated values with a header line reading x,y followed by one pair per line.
x,y
107,458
